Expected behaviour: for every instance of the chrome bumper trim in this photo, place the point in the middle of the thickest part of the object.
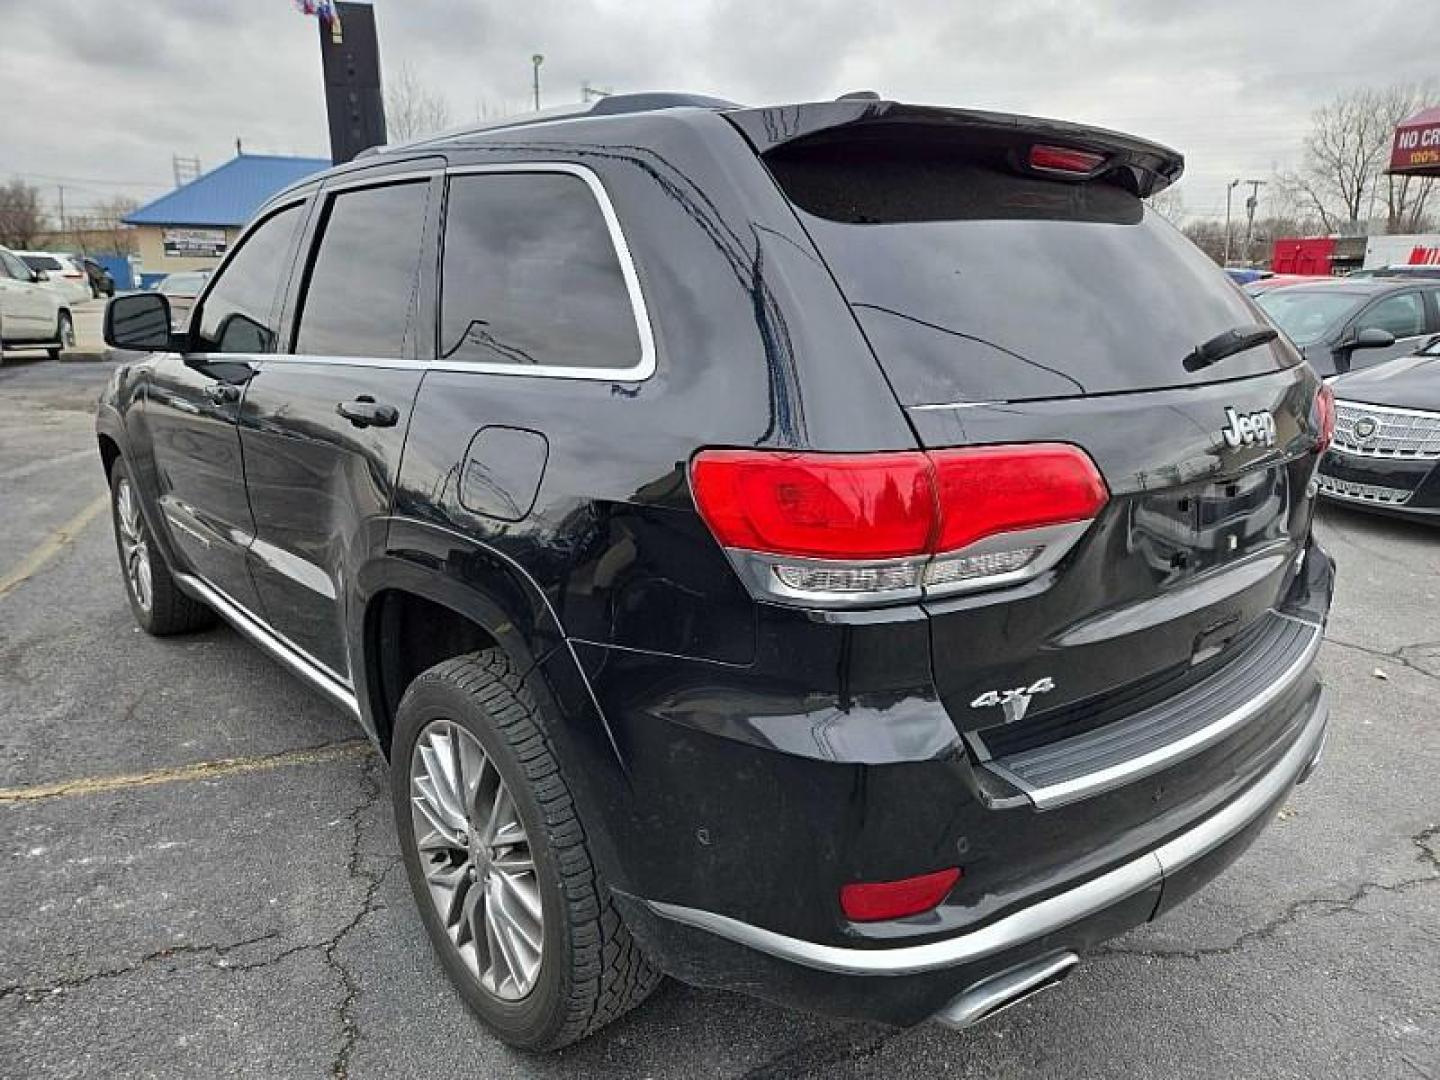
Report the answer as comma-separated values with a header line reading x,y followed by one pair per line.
x,y
1126,772
1039,919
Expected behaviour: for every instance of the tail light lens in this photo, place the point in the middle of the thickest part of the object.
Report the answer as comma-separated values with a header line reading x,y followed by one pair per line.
x,y
871,901
853,529
1324,417
866,506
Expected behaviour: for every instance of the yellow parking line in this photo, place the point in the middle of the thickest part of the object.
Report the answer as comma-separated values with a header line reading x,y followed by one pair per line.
x,y
53,544
201,770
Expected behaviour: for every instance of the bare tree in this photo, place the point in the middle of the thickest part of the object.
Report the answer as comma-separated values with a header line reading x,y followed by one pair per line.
x,y
1209,236
110,219
1342,173
22,216
1169,204
1406,196
411,110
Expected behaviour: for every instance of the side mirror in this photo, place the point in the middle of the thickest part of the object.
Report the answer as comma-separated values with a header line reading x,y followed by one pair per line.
x,y
39,276
138,321
1372,337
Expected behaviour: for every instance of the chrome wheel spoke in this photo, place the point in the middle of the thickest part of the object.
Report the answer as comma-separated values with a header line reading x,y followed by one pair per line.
x,y
478,864
134,551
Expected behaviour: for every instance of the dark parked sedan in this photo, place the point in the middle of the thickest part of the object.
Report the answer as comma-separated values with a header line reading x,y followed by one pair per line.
x,y
1386,453
1346,324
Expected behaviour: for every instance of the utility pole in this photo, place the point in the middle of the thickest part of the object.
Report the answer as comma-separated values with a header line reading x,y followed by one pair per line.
x,y
535,62
1229,190
61,189
1250,204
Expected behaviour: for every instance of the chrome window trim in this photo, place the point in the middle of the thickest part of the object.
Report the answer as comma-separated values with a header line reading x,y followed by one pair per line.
x,y
1045,916
646,364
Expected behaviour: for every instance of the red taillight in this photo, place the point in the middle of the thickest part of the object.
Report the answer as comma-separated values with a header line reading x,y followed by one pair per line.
x,y
870,901
1324,417
890,505
851,506
986,490
1065,159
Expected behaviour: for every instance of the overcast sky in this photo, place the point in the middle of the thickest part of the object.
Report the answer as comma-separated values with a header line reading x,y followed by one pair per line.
x,y
101,93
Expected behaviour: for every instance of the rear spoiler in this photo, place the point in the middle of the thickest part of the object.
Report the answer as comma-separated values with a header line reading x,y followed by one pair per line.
x,y
1150,167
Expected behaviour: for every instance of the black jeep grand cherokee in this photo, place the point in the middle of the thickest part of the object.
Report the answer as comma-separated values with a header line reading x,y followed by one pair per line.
x,y
853,553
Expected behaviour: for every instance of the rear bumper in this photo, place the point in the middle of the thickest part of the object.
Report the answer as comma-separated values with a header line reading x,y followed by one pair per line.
x,y
907,984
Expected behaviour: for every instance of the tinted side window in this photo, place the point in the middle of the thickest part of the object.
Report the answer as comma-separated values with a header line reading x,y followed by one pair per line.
x,y
1403,316
362,284
239,312
531,275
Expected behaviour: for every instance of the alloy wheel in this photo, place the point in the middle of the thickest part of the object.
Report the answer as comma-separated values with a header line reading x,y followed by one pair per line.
x,y
134,549
477,860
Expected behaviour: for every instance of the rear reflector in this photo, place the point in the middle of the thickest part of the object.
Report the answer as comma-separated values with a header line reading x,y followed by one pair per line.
x,y
1064,159
845,529
871,901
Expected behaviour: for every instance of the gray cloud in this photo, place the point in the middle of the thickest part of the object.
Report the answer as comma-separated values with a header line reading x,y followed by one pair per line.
x,y
1228,82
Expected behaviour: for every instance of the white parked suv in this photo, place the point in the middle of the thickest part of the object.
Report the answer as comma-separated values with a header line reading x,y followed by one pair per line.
x,y
32,314
65,274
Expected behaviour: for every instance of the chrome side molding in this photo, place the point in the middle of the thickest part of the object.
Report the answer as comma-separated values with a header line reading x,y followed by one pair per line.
x,y
289,654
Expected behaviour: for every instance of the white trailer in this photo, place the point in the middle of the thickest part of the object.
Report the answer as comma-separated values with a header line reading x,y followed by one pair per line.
x,y
1416,249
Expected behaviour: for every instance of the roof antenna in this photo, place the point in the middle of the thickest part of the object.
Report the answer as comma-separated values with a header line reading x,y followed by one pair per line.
x,y
238,150
859,95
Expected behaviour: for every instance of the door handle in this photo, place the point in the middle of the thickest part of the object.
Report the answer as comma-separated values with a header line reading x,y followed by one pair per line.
x,y
221,393
364,412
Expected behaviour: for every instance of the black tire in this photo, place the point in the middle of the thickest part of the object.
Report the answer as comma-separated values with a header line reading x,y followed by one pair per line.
x,y
168,610
592,970
64,334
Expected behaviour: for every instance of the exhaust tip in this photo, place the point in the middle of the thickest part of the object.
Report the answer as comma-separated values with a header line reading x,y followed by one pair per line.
x,y
996,993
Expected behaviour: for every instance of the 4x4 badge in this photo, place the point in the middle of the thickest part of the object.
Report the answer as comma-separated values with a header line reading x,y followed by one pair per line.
x,y
1016,702
1247,429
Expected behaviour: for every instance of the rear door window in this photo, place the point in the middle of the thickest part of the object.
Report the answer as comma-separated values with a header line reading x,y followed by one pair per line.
x,y
975,282
361,290
531,276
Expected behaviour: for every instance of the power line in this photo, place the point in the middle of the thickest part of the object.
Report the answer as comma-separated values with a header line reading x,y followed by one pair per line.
x,y
90,180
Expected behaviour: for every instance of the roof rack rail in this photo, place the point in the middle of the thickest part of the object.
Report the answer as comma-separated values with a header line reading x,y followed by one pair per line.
x,y
614,104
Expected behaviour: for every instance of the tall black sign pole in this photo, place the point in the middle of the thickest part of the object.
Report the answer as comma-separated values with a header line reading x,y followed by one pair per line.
x,y
354,98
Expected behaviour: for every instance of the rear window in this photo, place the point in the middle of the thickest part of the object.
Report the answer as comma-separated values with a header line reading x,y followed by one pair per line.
x,y
977,283
41,262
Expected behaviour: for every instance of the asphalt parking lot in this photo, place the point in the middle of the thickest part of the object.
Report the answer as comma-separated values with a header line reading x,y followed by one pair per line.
x,y
161,916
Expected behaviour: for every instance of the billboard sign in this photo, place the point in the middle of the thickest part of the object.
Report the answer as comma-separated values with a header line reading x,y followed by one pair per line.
x,y
1416,148
194,243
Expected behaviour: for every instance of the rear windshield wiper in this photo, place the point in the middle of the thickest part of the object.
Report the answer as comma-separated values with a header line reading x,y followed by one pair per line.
x,y
1228,344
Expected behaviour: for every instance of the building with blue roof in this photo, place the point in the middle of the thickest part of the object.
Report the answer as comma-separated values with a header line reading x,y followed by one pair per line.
x,y
194,225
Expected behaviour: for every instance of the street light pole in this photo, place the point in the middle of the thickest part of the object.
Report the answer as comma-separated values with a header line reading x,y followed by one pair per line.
x,y
535,62
1229,190
1250,204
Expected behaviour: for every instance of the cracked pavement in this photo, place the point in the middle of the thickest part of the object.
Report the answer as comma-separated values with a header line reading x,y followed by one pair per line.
x,y
255,922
